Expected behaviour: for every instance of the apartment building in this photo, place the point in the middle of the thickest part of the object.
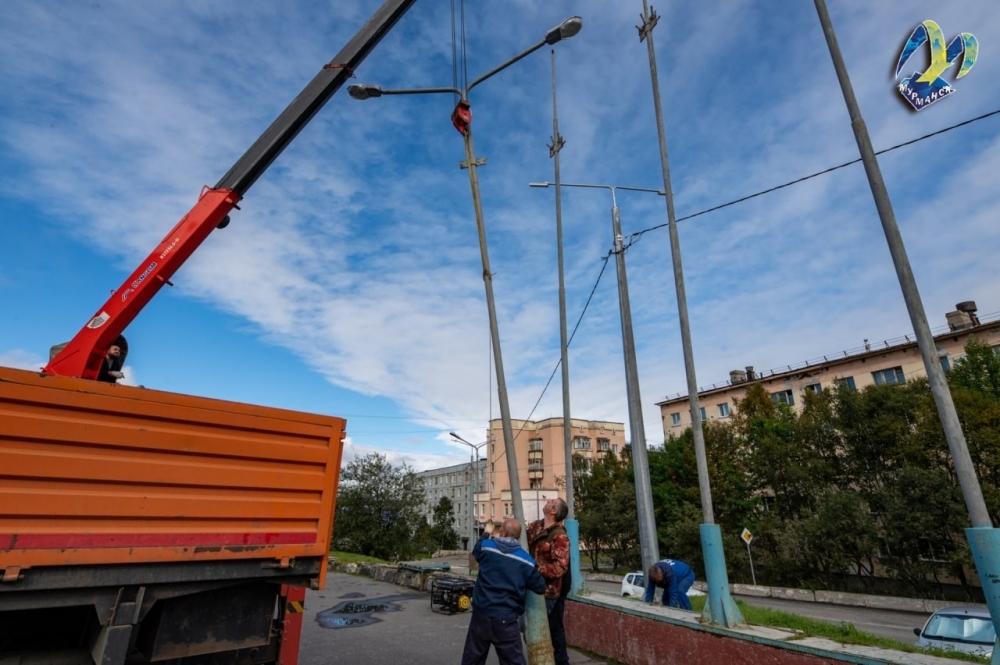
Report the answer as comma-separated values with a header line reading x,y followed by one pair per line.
x,y
541,462
455,483
876,362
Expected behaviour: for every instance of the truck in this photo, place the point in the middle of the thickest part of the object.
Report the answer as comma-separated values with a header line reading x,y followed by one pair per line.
x,y
142,526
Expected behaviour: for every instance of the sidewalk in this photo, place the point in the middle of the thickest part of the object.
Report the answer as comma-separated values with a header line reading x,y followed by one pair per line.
x,y
406,632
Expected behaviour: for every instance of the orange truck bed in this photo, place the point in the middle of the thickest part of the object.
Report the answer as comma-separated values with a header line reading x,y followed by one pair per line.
x,y
94,474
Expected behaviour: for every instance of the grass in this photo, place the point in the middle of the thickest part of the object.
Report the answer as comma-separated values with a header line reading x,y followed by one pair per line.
x,y
351,557
842,633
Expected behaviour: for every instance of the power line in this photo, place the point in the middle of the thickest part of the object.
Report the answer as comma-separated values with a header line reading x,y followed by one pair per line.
x,y
635,236
568,342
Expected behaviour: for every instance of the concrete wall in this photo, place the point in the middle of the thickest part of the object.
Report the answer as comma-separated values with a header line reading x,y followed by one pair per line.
x,y
640,634
639,640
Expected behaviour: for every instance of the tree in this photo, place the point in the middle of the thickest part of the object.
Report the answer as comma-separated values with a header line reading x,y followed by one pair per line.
x,y
442,531
606,510
378,508
979,370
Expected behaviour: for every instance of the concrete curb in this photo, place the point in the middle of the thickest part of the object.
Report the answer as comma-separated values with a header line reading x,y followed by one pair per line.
x,y
917,605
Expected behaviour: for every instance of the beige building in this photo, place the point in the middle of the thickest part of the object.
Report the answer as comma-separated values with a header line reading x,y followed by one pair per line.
x,y
541,462
890,361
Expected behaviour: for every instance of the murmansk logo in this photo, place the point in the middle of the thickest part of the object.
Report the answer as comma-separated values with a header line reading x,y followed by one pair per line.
x,y
922,90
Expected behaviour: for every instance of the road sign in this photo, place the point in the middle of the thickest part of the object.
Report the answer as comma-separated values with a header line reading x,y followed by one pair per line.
x,y
747,537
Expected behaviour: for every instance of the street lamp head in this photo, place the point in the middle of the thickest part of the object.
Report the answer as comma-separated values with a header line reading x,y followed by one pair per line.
x,y
364,91
568,28
538,184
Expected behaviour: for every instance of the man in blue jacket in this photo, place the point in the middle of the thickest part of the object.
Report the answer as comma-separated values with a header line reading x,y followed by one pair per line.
x,y
506,574
675,578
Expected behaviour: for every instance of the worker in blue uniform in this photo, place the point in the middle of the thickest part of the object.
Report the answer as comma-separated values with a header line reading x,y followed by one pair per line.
x,y
675,578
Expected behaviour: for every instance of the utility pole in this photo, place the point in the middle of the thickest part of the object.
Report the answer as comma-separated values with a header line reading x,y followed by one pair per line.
x,y
571,525
984,540
648,542
720,608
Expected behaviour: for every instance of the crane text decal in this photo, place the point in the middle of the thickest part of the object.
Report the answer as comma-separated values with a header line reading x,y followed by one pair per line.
x,y
169,247
922,90
139,280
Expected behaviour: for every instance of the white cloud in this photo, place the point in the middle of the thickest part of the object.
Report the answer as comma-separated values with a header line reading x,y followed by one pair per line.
x,y
21,359
416,461
358,249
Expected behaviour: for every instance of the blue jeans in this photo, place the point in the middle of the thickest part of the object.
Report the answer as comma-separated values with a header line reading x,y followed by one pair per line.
x,y
676,595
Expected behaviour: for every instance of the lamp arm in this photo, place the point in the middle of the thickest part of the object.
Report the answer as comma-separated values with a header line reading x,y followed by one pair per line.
x,y
503,66
422,91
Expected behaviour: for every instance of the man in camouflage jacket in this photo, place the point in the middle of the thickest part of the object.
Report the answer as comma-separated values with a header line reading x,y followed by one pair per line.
x,y
548,544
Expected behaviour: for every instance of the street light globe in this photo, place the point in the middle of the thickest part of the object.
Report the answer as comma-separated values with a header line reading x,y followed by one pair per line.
x,y
364,91
568,28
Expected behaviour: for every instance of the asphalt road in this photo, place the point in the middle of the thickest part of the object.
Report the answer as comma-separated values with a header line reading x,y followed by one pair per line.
x,y
885,623
406,633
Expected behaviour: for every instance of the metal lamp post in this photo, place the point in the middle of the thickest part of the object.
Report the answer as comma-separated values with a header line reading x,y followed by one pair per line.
x,y
571,524
537,631
640,459
472,484
984,539
720,608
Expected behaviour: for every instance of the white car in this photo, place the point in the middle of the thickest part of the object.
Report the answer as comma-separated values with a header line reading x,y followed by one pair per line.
x,y
965,629
634,584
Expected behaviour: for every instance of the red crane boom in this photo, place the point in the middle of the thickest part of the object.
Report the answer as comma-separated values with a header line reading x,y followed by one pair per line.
x,y
82,356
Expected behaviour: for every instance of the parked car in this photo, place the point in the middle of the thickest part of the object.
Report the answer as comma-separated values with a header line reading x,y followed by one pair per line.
x,y
634,584
965,629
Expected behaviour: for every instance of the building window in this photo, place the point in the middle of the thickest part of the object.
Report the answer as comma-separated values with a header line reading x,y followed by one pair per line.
x,y
724,410
493,510
603,445
943,356
614,448
847,382
535,484
581,443
887,376
783,397
675,419
702,412
814,388
534,445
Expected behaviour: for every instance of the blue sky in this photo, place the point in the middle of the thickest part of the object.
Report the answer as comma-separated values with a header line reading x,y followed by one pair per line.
x,y
350,282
